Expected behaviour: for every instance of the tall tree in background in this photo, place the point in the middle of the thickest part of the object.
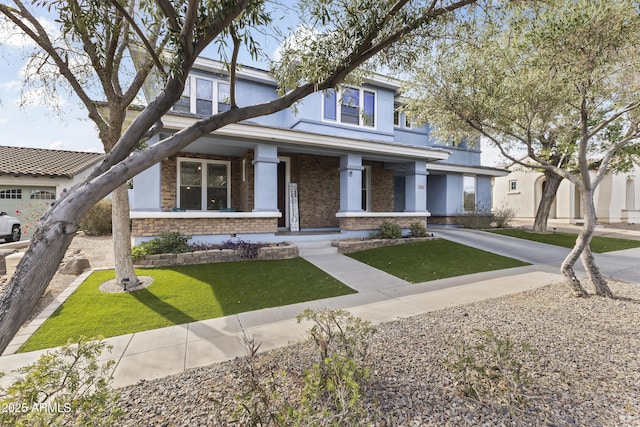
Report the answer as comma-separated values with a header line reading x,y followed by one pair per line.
x,y
556,81
341,36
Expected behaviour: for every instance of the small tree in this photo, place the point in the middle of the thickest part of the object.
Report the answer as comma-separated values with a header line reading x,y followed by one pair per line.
x,y
556,80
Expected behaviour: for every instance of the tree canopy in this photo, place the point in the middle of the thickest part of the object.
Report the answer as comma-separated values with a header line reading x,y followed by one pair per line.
x,y
553,81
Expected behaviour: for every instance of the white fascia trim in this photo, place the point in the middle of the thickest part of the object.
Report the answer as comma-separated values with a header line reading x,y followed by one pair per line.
x,y
467,169
244,72
307,139
198,214
382,214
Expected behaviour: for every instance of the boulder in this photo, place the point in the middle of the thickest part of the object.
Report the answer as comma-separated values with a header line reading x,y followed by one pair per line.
x,y
74,265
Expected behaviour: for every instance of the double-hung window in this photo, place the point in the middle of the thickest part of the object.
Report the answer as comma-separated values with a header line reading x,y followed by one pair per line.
x,y
354,106
199,95
203,185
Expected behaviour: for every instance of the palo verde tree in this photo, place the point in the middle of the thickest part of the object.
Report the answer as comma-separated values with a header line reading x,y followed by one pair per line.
x,y
555,80
344,35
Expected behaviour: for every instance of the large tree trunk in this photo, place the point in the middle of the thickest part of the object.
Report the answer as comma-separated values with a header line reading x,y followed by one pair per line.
x,y
599,283
125,273
582,242
549,191
40,262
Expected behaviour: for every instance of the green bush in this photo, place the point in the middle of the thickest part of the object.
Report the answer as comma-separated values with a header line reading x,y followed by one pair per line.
x,y
97,221
417,229
388,230
166,243
67,387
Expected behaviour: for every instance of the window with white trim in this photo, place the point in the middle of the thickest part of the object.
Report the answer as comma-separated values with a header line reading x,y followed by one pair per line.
x,y
11,193
400,117
513,185
199,95
366,188
43,193
353,106
469,193
204,185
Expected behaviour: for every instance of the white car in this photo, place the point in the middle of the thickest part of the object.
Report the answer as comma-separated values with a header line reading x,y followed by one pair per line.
x,y
9,228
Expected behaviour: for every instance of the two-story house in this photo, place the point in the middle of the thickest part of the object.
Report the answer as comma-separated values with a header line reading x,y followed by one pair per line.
x,y
341,161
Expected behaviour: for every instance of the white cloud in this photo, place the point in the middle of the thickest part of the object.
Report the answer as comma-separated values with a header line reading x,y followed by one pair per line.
x,y
13,37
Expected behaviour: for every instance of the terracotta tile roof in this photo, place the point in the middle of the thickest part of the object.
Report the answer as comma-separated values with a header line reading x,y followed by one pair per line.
x,y
24,161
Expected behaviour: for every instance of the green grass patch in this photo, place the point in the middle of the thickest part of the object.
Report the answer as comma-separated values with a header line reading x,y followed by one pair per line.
x,y
181,295
599,244
433,259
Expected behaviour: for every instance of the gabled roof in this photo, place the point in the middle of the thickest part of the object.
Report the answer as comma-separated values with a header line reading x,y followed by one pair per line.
x,y
24,161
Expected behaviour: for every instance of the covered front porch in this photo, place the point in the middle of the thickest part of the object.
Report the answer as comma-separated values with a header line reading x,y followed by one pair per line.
x,y
256,183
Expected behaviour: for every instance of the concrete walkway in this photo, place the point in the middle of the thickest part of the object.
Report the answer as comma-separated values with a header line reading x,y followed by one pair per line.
x,y
380,298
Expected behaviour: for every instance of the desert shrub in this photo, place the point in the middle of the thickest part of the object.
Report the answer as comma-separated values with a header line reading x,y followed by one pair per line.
x,y
503,216
417,229
166,243
387,230
492,369
97,221
331,393
66,387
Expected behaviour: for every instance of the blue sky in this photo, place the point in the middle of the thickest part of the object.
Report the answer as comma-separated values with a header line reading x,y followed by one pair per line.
x,y
37,125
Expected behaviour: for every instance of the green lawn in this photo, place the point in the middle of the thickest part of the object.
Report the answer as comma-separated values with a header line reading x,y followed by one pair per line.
x,y
599,244
433,259
181,295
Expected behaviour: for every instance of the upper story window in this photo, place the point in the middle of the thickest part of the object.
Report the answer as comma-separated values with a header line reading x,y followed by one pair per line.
x,y
354,106
199,95
203,185
513,185
400,118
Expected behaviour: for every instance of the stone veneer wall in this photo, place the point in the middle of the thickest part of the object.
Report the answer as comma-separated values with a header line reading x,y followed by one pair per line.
x,y
372,223
212,256
349,246
150,227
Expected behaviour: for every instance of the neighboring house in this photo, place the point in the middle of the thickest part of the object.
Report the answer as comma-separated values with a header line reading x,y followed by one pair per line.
x,y
33,178
342,161
617,198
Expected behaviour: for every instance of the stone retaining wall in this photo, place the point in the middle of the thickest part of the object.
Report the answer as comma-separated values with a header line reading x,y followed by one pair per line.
x,y
349,246
212,256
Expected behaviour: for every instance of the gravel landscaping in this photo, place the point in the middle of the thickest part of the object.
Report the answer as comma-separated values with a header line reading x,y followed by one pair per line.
x,y
585,369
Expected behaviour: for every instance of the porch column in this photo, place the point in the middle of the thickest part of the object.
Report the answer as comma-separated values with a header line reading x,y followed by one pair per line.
x,y
265,187
351,183
147,190
416,187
